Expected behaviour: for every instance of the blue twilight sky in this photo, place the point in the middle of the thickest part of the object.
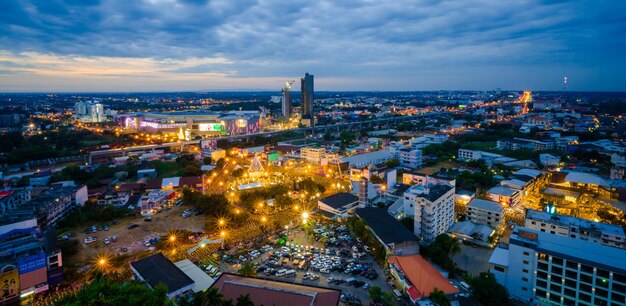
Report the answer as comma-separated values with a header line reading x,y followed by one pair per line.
x,y
181,45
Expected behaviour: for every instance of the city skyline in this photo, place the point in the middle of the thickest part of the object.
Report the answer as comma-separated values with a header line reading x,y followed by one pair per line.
x,y
111,46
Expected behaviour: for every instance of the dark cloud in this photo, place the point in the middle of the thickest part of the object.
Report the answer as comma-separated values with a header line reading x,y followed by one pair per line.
x,y
401,41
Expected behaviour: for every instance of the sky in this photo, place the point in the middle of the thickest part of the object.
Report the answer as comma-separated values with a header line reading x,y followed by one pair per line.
x,y
200,45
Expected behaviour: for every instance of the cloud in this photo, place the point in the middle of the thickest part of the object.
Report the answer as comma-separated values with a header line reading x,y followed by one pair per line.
x,y
365,44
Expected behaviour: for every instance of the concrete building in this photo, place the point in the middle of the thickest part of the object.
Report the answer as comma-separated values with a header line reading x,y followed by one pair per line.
x,y
409,158
485,212
313,155
432,208
92,111
366,159
566,226
12,198
544,269
528,144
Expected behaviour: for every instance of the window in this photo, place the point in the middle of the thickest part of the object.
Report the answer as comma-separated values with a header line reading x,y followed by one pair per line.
x,y
542,275
557,261
602,273
619,277
585,288
524,279
586,278
526,254
543,256
542,284
557,270
533,222
586,269
570,292
571,264
498,268
556,279
525,270
524,289
571,274
584,297
525,262
540,293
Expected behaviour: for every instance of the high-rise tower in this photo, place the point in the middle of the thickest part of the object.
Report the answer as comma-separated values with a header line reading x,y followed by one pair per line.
x,y
286,100
306,86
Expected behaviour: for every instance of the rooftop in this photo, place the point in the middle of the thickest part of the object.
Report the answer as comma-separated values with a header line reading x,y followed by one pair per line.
x,y
432,193
386,227
504,191
339,200
540,215
422,274
598,255
485,205
365,158
269,292
156,269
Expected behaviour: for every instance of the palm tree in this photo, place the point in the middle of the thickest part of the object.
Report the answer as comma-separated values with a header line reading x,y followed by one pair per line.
x,y
244,300
211,297
247,269
455,247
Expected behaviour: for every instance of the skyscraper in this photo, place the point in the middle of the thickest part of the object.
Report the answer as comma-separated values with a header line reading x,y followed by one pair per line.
x,y
286,100
306,86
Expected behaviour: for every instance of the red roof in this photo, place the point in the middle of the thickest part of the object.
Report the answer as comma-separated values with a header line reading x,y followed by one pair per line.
x,y
422,274
5,193
269,292
413,293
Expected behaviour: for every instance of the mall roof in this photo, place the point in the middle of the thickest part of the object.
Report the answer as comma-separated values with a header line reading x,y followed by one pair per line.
x,y
503,191
422,274
585,178
156,269
270,292
367,158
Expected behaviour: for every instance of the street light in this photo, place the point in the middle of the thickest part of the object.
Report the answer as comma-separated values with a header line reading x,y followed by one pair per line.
x,y
223,235
172,238
221,222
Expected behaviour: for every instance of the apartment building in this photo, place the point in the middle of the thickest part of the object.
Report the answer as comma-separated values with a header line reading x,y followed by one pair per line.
x,y
566,226
313,155
545,269
432,207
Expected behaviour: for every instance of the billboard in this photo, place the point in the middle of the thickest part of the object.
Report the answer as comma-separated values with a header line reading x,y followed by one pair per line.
x,y
9,283
272,157
32,263
209,127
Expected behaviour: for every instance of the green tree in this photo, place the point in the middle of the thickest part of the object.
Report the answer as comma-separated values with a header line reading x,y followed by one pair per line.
x,y
487,291
210,297
207,160
392,163
439,297
247,269
244,300
103,291
379,297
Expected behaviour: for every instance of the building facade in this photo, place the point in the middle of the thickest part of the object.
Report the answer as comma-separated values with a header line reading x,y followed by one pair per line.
x,y
485,212
545,269
313,155
566,226
432,208
306,87
286,101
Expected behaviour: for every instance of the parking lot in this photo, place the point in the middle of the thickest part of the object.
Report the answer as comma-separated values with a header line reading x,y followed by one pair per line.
x,y
340,262
124,237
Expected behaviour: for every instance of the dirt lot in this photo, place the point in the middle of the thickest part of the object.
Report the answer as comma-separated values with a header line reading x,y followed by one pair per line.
x,y
133,239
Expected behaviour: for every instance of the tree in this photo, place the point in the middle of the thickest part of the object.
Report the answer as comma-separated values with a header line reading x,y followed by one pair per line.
x,y
237,173
408,222
207,160
392,163
439,297
210,297
379,297
244,300
220,163
247,269
103,291
487,291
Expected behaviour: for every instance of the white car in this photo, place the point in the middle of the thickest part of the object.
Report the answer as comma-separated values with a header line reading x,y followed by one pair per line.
x,y
106,241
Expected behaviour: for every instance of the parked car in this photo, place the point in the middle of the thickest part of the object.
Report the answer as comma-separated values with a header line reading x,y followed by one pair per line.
x,y
106,241
132,225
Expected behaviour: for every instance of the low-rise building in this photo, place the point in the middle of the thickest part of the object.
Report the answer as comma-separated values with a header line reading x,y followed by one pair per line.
x,y
157,269
418,278
566,226
485,212
504,195
313,155
340,205
527,144
396,238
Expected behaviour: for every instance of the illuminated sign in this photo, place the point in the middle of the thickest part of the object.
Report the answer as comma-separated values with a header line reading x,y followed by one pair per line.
x,y
156,125
209,127
10,282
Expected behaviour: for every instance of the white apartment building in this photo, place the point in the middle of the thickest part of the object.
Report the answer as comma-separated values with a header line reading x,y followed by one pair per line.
x,y
544,269
432,209
485,212
561,225
313,155
89,111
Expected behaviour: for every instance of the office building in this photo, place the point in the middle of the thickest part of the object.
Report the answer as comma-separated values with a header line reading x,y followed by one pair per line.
x,y
286,100
432,207
545,269
92,111
566,226
306,87
485,212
